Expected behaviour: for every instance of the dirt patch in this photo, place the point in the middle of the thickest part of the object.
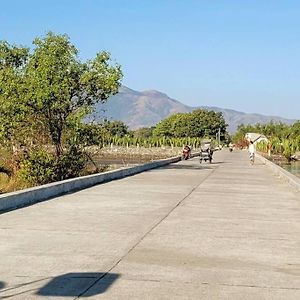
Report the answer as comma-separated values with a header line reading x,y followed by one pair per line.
x,y
275,158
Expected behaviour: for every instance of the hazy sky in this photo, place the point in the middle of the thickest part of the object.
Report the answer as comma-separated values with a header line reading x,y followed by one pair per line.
x,y
242,54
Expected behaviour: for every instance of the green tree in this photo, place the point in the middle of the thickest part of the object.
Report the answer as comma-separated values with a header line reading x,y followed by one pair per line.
x,y
239,135
207,123
164,127
13,112
115,128
295,130
60,86
144,132
198,123
44,96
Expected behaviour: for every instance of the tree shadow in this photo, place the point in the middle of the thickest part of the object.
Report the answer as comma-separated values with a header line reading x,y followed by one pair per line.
x,y
78,285
2,285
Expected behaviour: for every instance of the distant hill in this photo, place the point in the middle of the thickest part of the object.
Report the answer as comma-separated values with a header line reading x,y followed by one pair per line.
x,y
145,109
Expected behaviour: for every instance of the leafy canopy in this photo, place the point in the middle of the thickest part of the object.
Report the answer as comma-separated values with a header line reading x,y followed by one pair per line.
x,y
61,86
51,87
198,123
13,111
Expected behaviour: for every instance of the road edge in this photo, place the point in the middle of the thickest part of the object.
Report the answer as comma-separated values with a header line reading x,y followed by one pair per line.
x,y
29,196
290,178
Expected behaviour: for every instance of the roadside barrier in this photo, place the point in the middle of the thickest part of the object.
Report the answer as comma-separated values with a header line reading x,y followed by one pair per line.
x,y
13,200
282,173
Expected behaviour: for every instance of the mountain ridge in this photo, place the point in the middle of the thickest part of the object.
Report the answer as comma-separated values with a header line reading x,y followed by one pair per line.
x,y
146,108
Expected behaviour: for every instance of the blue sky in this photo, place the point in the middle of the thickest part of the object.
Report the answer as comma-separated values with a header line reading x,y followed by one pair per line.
x,y
242,55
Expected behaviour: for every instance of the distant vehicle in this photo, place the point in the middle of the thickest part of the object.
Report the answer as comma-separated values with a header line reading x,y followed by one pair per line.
x,y
206,151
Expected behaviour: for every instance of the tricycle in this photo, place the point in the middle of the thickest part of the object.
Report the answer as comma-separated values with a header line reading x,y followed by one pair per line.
x,y
206,151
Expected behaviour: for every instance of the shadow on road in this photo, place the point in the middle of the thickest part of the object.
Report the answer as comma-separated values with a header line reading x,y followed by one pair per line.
x,y
188,167
2,285
219,162
78,285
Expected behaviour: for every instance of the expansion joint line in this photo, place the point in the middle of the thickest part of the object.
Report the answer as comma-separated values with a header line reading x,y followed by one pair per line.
x,y
144,235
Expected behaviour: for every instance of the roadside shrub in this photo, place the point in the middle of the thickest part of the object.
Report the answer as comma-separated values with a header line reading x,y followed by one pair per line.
x,y
287,149
38,167
71,164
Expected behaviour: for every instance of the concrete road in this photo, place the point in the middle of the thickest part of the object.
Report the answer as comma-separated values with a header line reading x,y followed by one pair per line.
x,y
186,231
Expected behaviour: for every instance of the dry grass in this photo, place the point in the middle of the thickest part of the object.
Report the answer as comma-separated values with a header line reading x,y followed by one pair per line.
x,y
11,184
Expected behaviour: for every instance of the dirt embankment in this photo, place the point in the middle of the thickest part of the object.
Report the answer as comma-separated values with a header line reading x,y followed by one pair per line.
x,y
275,158
132,154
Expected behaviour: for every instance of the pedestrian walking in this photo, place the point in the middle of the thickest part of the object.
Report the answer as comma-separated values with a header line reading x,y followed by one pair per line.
x,y
251,150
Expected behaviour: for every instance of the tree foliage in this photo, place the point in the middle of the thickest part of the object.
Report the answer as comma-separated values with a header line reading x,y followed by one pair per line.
x,y
13,110
41,167
61,86
50,86
115,128
144,132
198,123
45,94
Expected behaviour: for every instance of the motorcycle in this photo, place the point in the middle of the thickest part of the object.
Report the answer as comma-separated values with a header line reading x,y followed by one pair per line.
x,y
186,152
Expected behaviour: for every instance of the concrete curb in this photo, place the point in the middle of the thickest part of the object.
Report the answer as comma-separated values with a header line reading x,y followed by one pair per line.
x,y
10,201
287,176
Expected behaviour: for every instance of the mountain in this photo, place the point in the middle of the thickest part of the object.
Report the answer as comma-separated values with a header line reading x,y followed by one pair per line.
x,y
141,109
145,109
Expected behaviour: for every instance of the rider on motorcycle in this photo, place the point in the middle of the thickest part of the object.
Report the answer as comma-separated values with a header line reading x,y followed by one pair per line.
x,y
186,152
